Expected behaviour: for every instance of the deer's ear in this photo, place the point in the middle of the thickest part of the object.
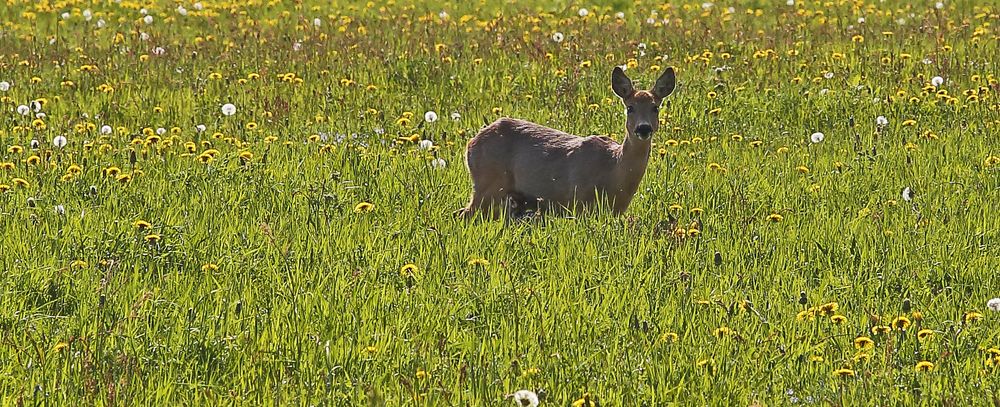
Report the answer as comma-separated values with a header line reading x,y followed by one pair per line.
x,y
621,84
665,84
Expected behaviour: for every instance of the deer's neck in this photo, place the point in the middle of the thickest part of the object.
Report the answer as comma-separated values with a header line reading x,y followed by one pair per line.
x,y
631,166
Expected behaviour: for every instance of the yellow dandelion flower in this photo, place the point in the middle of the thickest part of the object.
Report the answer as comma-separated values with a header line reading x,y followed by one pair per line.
x,y
843,373
152,238
863,342
585,401
971,317
829,308
669,337
251,126
901,323
722,331
881,329
141,224
479,262
838,319
925,334
20,182
78,264
422,374
364,207
4,188
209,267
924,366
774,217
408,270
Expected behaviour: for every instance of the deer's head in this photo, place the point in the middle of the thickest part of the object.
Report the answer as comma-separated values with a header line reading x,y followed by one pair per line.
x,y
642,106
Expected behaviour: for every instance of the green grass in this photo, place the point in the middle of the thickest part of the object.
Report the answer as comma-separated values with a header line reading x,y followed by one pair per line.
x,y
267,286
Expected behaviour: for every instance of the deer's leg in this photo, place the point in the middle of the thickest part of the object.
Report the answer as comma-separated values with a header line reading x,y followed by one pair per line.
x,y
491,197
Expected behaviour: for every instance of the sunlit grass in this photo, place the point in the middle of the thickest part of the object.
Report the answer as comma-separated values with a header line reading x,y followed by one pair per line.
x,y
251,202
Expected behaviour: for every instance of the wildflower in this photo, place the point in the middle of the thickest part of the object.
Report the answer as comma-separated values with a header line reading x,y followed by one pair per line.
x,y
425,144
972,316
59,141
843,373
880,329
901,323
829,308
924,334
924,366
408,270
430,117
937,81
802,169
557,37
909,122
148,19
817,137
141,224
583,12
23,110
251,126
363,207
106,129
585,401
371,350
669,337
526,398
881,121
993,304
20,182
60,210
722,331
422,374
863,342
4,86
209,267
456,116
479,262
228,109
774,217
438,163
152,238
838,319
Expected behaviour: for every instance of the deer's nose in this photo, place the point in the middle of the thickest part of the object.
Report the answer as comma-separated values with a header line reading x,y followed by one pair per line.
x,y
644,130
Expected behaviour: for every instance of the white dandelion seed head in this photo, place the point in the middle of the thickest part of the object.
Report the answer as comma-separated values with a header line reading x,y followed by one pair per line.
x,y
438,163
34,144
443,15
201,128
861,20
198,6
558,36
380,131
159,51
425,144
105,129
642,45
59,141
143,36
828,75
456,116
143,11
824,91
228,109
526,398
36,105
881,121
101,23
817,137
148,19
317,22
707,5
297,46
790,2
582,12
161,131
937,81
993,304
182,11
65,15
430,116
620,15
650,21
939,5
23,110
4,86
40,115
60,210
88,15
907,194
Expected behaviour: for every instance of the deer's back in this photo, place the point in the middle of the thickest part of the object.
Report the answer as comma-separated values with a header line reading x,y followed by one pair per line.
x,y
538,160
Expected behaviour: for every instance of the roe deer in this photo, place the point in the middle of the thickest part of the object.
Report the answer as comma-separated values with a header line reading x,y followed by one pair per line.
x,y
528,162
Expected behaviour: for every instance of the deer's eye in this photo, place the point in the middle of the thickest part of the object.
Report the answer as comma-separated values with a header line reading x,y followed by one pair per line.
x,y
629,109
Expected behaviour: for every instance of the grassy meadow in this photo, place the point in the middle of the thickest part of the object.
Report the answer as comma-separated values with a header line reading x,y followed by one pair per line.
x,y
250,203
